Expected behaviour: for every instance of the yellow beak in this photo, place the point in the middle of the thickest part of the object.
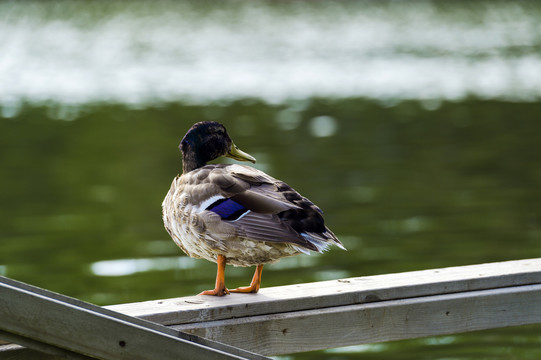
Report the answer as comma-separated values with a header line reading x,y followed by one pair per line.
x,y
238,154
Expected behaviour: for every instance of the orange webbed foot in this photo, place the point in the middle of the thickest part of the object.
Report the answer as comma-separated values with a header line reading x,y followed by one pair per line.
x,y
245,289
216,292
219,288
254,285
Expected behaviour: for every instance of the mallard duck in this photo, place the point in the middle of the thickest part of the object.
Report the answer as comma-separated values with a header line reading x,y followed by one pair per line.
x,y
236,214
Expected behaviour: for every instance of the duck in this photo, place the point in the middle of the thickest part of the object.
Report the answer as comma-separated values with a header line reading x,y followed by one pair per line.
x,y
236,214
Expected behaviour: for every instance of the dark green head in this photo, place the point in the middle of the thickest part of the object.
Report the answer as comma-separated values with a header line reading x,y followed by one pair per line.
x,y
206,141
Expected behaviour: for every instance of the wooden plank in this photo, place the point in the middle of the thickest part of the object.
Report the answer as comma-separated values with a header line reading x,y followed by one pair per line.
x,y
33,350
93,308
375,322
300,317
45,318
357,290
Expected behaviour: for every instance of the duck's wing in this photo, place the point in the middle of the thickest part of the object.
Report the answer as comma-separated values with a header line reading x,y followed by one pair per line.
x,y
256,206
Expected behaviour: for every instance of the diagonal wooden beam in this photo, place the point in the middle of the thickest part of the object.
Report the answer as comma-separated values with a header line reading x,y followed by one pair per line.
x,y
37,316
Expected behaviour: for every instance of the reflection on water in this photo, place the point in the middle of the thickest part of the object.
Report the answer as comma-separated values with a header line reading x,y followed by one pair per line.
x,y
124,267
364,348
146,52
323,126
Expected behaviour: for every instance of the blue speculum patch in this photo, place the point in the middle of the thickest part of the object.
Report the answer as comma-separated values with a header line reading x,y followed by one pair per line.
x,y
227,209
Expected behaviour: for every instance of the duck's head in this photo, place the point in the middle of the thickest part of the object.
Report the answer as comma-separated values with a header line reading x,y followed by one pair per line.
x,y
206,141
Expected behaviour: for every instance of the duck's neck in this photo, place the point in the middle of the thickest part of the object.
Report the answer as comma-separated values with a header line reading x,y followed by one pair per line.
x,y
190,161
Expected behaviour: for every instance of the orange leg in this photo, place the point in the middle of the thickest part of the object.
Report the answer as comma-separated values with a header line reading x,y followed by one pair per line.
x,y
254,285
219,289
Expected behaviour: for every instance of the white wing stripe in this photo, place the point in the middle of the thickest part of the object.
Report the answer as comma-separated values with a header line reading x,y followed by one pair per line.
x,y
211,200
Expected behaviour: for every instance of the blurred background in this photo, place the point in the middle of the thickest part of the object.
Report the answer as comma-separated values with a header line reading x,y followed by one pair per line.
x,y
414,125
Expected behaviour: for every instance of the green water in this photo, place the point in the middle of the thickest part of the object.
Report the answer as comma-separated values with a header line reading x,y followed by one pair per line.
x,y
404,188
